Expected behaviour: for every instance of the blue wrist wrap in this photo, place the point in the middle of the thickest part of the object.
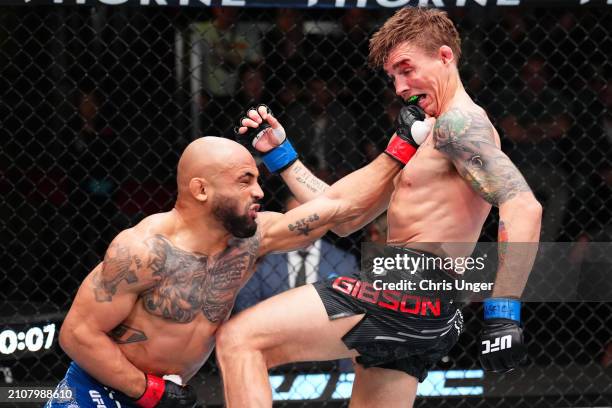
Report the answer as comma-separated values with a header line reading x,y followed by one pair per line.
x,y
502,308
280,157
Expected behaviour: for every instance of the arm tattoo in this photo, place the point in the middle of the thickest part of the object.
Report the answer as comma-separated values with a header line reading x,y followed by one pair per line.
x,y
467,139
305,177
118,265
123,334
502,243
302,227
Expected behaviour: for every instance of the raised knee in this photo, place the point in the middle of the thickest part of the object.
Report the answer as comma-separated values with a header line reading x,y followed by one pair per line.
x,y
231,340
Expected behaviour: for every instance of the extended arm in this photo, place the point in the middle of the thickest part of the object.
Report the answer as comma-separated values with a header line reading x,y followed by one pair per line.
x,y
374,182
344,203
369,188
304,185
300,226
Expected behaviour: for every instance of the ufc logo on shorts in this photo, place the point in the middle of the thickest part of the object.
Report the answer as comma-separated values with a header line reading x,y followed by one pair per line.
x,y
500,343
97,398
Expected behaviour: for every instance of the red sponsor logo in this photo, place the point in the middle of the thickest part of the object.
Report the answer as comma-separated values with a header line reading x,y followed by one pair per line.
x,y
388,299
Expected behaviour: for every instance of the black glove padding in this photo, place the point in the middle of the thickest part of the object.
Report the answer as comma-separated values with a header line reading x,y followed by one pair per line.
x,y
501,345
406,117
178,396
252,132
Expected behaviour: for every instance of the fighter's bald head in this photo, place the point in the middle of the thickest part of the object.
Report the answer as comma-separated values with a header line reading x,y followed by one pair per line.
x,y
208,157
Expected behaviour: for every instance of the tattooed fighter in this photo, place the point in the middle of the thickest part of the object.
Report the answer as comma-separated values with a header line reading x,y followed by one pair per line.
x,y
152,307
443,194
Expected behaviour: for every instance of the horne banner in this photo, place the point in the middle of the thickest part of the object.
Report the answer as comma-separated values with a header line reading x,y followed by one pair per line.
x,y
391,4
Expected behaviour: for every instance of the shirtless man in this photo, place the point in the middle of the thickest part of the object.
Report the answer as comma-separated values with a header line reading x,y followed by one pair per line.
x,y
153,306
443,195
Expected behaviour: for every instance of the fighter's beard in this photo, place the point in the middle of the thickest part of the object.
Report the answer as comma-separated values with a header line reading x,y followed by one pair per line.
x,y
241,226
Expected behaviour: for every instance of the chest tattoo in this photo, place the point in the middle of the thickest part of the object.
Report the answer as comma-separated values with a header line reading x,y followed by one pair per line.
x,y
191,283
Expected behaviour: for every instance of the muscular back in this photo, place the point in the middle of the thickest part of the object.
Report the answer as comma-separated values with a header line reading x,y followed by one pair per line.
x,y
434,200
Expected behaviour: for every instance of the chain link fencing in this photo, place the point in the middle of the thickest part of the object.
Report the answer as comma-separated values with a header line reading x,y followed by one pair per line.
x,y
97,104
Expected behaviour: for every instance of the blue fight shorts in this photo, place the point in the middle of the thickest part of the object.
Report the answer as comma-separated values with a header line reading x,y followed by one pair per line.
x,y
87,392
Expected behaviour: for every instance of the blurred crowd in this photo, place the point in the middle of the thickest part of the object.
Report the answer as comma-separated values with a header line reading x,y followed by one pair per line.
x,y
94,121
545,85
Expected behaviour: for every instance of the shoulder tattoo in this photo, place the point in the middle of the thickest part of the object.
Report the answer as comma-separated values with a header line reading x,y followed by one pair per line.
x,y
467,139
119,265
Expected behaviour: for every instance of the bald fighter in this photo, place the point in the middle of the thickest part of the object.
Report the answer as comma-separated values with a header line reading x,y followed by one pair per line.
x,y
443,194
152,307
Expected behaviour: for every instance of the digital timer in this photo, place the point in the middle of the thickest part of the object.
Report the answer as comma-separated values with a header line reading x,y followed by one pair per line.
x,y
33,339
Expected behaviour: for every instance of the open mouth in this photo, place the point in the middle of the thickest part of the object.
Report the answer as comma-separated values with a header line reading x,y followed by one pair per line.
x,y
423,100
253,210
416,99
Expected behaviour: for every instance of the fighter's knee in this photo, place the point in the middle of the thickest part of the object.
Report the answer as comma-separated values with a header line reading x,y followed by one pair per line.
x,y
231,339
224,338
356,365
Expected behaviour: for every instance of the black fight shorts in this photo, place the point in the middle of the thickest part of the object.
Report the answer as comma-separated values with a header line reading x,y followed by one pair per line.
x,y
400,330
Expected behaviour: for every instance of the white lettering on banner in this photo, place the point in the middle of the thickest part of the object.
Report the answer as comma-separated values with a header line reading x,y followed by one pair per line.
x,y
186,2
392,3
231,3
311,3
113,2
426,3
436,3
340,3
461,3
